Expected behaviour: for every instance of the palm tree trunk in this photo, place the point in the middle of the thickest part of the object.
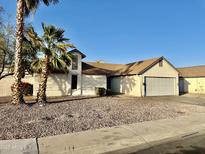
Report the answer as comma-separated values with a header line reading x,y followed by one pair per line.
x,y
43,82
17,93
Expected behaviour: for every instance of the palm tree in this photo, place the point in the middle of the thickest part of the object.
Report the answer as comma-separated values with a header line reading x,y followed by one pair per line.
x,y
31,45
24,8
55,56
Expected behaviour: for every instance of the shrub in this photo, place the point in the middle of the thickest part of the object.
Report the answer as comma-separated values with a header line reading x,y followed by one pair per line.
x,y
100,91
26,88
109,92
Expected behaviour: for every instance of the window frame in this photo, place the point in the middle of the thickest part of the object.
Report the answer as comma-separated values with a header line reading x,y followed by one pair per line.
x,y
75,62
161,63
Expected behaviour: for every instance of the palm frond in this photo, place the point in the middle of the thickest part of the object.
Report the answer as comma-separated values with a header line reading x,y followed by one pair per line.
x,y
53,44
53,34
29,52
34,38
62,47
58,64
67,58
32,5
63,39
48,2
46,51
37,65
65,45
31,43
54,54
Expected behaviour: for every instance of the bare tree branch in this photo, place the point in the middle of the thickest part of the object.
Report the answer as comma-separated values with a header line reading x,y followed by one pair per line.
x,y
3,61
5,75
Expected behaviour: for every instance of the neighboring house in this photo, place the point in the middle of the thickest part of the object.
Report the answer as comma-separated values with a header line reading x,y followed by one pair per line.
x,y
5,84
192,79
152,77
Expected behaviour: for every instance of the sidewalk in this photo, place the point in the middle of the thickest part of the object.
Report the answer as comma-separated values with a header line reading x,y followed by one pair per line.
x,y
125,138
120,140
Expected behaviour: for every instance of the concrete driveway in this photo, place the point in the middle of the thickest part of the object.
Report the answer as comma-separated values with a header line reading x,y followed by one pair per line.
x,y
192,99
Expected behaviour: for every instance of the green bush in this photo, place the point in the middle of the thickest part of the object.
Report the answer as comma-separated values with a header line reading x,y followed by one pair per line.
x,y
100,91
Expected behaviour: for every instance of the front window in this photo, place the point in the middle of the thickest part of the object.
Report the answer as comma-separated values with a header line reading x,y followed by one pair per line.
x,y
75,62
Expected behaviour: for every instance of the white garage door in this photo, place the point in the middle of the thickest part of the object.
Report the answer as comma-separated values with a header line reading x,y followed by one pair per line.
x,y
158,86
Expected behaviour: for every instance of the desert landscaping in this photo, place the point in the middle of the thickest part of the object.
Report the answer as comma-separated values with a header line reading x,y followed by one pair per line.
x,y
30,121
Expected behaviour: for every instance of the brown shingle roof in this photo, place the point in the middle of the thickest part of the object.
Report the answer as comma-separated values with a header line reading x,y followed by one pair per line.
x,y
194,71
94,68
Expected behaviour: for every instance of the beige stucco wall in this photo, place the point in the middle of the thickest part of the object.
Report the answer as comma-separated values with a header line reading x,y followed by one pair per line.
x,y
129,85
134,85
60,84
5,84
165,71
193,85
57,84
89,82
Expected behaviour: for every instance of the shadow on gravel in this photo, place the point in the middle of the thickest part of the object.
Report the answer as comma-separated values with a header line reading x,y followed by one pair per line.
x,y
71,99
64,99
32,101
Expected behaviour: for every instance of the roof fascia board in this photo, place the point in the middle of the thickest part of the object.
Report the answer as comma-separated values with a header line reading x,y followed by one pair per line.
x,y
154,63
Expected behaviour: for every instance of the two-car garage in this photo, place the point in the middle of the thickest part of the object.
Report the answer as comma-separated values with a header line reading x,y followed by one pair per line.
x,y
160,86
161,80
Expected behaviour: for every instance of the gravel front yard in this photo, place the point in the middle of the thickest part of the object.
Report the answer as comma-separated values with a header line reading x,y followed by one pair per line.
x,y
26,121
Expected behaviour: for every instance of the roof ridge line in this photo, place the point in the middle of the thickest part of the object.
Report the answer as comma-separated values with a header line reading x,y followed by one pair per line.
x,y
125,63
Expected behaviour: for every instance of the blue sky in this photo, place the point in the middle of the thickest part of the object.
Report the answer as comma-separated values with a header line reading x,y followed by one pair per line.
x,y
123,31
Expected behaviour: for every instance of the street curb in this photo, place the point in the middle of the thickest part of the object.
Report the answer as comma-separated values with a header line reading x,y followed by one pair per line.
x,y
21,146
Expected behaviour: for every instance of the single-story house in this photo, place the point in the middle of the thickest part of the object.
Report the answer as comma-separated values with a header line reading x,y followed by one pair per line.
x,y
151,77
192,79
